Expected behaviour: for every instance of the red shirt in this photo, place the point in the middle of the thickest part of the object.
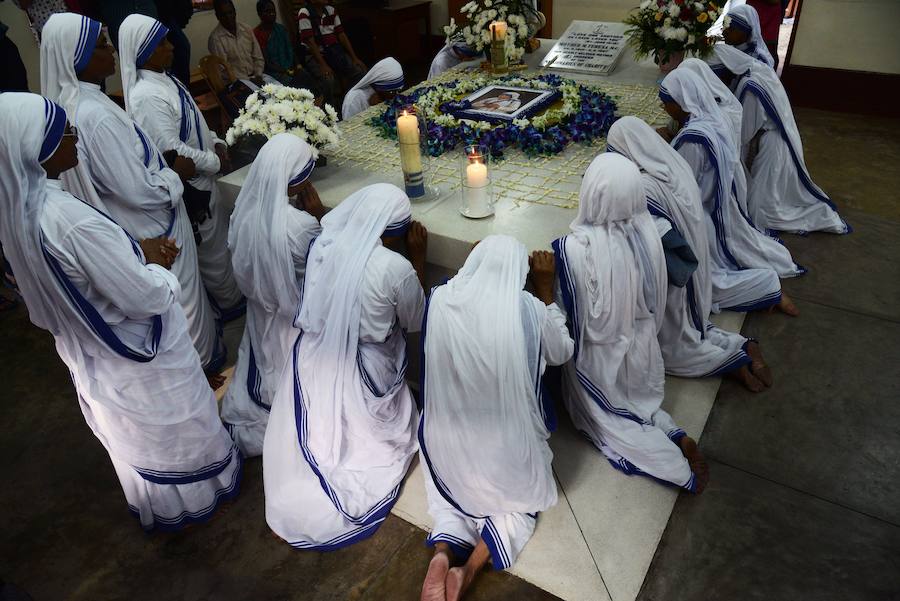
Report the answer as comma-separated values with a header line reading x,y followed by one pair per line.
x,y
770,16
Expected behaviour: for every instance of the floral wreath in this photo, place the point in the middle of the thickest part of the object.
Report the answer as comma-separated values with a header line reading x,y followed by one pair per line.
x,y
582,115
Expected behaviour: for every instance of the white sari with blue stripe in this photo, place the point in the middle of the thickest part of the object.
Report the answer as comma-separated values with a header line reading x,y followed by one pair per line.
x,y
341,432
612,280
386,75
691,345
781,195
485,415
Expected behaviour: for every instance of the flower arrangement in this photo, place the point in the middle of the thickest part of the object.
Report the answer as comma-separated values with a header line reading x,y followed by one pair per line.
x,y
664,28
520,17
582,115
275,109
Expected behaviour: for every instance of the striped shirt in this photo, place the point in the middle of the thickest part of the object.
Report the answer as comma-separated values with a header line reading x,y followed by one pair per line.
x,y
329,26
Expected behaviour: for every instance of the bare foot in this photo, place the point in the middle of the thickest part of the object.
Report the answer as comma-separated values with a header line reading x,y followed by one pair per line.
x,y
786,306
216,381
758,364
456,583
433,587
696,460
746,377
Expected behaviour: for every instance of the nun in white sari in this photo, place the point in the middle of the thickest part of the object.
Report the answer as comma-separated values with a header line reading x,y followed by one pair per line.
x,y
750,261
269,239
782,195
121,171
742,23
452,55
117,325
485,418
612,279
342,431
165,110
692,347
385,78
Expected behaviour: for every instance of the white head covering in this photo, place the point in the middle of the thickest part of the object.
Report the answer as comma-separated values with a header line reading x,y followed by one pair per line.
x,y
746,18
139,36
386,75
67,43
706,120
724,97
29,127
613,224
671,188
482,432
258,236
351,431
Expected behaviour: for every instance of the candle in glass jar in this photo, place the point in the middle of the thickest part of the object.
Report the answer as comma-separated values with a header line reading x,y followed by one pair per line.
x,y
498,30
476,192
410,154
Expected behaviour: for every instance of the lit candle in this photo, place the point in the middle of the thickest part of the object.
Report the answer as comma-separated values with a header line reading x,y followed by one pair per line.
x,y
498,30
477,194
410,154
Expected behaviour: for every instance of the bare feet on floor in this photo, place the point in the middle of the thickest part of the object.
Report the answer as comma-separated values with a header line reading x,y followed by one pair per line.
x,y
758,364
786,306
458,581
746,377
696,460
215,380
433,589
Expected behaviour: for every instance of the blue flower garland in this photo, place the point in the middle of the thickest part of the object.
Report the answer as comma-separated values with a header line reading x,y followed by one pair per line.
x,y
590,120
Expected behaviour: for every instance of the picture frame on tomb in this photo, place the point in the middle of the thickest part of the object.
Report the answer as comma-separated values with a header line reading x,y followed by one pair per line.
x,y
499,103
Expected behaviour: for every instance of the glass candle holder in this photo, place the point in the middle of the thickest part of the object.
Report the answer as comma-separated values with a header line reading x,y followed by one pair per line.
x,y
499,59
476,189
412,136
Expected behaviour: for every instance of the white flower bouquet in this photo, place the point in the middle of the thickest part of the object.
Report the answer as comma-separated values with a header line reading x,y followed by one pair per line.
x,y
521,18
665,28
275,109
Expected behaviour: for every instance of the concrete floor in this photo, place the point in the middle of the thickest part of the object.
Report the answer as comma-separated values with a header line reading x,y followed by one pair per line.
x,y
805,477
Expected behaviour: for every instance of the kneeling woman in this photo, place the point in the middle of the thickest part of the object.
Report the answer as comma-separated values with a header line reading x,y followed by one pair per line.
x,y
781,194
112,307
747,262
485,422
343,425
612,277
269,238
380,84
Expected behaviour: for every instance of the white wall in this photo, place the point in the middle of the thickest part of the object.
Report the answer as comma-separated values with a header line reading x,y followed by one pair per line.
x,y
198,30
858,35
566,11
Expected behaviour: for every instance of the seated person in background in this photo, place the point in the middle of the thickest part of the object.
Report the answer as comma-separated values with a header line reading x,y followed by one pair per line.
x,y
163,107
276,48
485,424
330,54
744,33
782,195
451,55
380,84
612,279
342,431
275,218
692,347
235,44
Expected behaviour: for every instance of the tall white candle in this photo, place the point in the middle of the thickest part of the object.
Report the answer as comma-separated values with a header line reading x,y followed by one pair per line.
x,y
498,30
410,154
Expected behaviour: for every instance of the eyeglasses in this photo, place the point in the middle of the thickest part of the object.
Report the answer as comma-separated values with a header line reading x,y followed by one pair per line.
x,y
72,133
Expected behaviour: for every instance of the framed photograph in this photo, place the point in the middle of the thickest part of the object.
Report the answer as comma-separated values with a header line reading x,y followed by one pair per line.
x,y
505,103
